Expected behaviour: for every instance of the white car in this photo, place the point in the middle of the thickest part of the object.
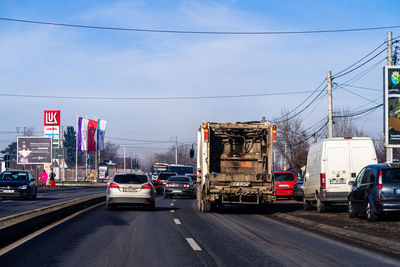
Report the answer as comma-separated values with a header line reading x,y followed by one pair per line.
x,y
130,189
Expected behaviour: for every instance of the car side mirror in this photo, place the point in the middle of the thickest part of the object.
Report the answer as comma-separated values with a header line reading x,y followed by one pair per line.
x,y
351,183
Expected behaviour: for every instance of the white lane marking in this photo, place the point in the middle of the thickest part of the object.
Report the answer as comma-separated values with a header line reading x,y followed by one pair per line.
x,y
40,231
173,200
172,211
172,204
193,244
177,221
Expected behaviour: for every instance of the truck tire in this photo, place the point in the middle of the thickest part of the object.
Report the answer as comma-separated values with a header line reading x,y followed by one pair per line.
x,y
321,207
306,204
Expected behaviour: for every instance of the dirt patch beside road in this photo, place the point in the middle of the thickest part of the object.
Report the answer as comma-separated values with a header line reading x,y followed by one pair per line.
x,y
387,228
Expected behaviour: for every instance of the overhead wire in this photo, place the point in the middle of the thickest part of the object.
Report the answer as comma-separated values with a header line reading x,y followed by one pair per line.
x,y
196,32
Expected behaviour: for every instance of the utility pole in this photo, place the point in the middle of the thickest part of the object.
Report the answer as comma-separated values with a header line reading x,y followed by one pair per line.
x,y
176,149
389,150
284,158
124,159
330,117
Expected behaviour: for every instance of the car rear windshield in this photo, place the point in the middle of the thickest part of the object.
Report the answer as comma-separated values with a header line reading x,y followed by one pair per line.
x,y
14,176
165,176
179,179
284,177
391,176
130,179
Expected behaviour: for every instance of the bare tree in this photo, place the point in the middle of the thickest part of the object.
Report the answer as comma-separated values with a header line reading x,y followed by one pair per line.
x,y
344,125
110,152
380,150
292,142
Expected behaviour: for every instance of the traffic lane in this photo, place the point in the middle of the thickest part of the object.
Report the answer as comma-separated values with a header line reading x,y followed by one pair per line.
x,y
240,236
124,237
336,215
47,198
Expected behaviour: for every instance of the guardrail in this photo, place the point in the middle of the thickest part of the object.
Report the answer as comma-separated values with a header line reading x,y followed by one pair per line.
x,y
17,226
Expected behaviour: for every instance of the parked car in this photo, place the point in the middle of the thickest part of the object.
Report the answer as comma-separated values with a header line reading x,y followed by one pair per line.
x,y
375,192
179,186
17,184
331,164
130,188
284,183
298,190
162,180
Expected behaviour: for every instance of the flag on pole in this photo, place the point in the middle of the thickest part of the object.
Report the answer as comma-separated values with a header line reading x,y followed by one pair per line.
x,y
101,131
82,134
91,131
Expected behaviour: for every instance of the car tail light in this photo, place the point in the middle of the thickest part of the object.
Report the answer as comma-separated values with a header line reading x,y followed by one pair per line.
x,y
186,185
205,132
274,133
158,180
378,200
168,185
380,179
146,186
322,178
112,185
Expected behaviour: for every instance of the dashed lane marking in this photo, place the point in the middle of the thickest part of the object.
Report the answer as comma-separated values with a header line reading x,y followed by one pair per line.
x,y
193,244
172,211
173,200
177,221
172,204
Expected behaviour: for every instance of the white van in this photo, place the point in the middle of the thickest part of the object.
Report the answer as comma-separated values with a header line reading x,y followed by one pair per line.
x,y
331,164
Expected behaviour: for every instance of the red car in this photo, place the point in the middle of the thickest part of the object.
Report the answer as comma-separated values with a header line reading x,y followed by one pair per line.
x,y
284,184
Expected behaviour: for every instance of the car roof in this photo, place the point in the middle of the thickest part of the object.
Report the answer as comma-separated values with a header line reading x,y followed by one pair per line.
x,y
385,165
16,171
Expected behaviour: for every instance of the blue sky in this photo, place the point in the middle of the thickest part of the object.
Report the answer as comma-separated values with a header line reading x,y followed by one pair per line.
x,y
49,60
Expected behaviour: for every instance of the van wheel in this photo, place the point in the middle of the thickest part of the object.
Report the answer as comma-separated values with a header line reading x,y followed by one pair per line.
x,y
306,204
371,213
321,207
350,211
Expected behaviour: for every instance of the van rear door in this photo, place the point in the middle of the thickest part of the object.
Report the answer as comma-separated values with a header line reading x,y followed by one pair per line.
x,y
337,166
362,153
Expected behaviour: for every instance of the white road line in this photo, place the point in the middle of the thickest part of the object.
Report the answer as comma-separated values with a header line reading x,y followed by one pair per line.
x,y
172,211
44,229
172,204
173,200
193,244
177,221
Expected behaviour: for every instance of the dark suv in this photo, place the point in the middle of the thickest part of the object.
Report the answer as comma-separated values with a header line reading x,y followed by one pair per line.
x,y
376,191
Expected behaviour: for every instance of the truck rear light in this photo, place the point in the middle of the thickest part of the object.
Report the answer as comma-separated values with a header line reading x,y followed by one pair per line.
x,y
274,133
112,185
205,128
380,179
186,185
146,186
322,178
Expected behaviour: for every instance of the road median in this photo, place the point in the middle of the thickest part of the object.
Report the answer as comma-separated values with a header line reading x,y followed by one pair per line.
x,y
17,226
376,241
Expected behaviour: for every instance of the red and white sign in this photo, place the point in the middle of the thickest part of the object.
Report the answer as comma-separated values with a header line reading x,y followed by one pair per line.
x,y
52,118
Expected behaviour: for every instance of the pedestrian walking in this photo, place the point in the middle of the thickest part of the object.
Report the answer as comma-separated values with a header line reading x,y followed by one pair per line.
x,y
52,178
44,177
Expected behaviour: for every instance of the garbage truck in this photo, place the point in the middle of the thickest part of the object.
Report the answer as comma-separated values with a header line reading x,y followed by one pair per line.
x,y
235,164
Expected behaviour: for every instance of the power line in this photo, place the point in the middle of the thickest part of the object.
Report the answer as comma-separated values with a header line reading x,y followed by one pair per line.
x,y
353,93
359,87
152,98
364,72
197,32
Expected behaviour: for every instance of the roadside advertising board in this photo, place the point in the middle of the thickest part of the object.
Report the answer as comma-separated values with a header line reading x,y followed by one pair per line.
x,y
392,106
33,150
52,120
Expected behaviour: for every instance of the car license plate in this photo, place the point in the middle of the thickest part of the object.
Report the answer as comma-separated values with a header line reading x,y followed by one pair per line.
x,y
8,191
337,181
176,191
129,189
240,184
397,191
283,185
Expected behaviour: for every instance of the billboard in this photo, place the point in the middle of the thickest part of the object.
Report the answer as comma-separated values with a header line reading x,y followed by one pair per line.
x,y
52,120
33,150
392,106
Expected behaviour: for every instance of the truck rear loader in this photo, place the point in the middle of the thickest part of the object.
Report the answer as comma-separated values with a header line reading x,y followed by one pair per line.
x,y
235,164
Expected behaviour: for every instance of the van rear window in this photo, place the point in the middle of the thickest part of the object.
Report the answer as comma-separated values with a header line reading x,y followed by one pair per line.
x,y
284,177
130,179
391,176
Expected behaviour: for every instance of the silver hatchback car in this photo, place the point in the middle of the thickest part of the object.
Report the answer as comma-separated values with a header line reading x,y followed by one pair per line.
x,y
130,188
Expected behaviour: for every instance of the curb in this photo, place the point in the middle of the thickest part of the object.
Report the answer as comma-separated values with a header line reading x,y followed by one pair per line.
x,y
377,241
17,226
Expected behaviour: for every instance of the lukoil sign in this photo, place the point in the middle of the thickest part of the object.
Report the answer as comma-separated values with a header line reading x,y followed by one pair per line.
x,y
52,118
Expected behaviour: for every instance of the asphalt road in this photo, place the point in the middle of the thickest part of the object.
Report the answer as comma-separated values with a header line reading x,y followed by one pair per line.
x,y
47,198
176,234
